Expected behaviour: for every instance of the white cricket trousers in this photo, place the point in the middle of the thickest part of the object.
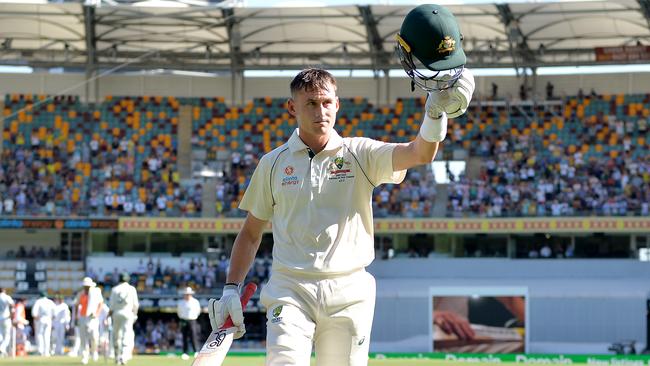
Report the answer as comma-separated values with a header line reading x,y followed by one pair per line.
x,y
58,329
89,335
335,314
123,335
5,333
43,335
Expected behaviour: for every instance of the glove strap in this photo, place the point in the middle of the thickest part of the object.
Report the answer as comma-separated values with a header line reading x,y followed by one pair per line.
x,y
433,130
230,288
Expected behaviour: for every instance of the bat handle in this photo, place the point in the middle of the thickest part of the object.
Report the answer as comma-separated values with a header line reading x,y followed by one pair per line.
x,y
249,290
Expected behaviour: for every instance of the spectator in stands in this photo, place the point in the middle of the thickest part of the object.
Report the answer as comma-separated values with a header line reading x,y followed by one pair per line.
x,y
549,90
523,93
188,310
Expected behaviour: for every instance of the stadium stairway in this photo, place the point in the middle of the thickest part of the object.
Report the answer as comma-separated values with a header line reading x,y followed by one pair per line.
x,y
31,279
184,162
208,198
473,167
442,198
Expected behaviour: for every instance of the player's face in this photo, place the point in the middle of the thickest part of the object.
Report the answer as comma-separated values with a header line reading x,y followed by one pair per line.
x,y
315,111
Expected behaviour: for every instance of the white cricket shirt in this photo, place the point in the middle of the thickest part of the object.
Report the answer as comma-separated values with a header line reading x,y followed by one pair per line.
x,y
188,310
92,302
61,314
6,302
124,299
43,309
321,208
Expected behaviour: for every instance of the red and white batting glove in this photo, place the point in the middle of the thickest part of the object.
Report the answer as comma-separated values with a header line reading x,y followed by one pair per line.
x,y
228,305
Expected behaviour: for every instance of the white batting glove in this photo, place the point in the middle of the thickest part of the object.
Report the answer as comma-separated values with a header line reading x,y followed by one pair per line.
x,y
453,101
228,305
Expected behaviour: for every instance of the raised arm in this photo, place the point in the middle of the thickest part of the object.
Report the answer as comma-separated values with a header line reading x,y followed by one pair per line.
x,y
440,105
414,153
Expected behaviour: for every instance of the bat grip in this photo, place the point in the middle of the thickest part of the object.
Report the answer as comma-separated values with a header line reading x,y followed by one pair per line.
x,y
249,290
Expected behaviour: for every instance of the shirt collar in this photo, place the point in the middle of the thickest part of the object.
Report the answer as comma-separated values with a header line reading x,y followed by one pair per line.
x,y
296,144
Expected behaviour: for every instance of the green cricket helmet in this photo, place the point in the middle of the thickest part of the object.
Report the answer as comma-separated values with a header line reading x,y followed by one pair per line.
x,y
429,47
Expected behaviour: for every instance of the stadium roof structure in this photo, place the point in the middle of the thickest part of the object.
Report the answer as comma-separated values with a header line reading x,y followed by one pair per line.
x,y
221,37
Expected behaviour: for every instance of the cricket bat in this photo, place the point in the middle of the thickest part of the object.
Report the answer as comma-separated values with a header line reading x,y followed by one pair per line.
x,y
214,350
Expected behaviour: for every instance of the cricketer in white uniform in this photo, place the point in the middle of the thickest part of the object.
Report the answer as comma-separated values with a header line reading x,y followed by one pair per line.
x,y
42,313
60,323
88,304
124,306
105,344
6,314
317,190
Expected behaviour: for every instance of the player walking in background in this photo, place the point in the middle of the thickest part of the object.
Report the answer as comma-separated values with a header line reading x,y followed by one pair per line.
x,y
105,344
189,309
6,314
76,338
317,189
42,313
60,323
87,305
124,305
22,327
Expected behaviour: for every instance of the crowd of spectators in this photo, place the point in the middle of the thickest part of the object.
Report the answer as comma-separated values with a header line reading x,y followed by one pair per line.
x,y
152,277
414,197
158,336
521,174
537,186
35,186
34,253
530,175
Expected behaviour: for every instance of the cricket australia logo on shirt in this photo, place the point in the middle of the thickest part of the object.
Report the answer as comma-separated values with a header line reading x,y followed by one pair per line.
x,y
290,179
339,169
276,314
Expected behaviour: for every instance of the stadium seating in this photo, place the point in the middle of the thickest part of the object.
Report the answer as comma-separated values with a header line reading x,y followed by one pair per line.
x,y
119,157
59,277
13,275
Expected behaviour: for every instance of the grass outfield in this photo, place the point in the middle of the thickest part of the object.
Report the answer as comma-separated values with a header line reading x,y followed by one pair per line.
x,y
176,361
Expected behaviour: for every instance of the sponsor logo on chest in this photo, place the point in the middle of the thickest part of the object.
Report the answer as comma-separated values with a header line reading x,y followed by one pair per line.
x,y
289,178
340,169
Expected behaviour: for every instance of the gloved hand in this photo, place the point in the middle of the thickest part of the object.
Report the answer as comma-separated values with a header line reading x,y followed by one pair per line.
x,y
453,101
228,305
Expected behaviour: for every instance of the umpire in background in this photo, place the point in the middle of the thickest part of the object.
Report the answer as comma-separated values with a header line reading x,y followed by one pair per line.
x,y
189,309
